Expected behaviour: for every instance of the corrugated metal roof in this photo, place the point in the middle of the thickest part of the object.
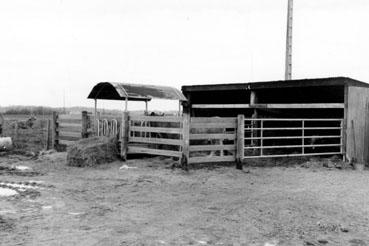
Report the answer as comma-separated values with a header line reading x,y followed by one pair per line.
x,y
134,92
277,84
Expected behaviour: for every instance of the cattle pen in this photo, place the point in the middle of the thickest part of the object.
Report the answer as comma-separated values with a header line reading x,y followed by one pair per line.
x,y
236,122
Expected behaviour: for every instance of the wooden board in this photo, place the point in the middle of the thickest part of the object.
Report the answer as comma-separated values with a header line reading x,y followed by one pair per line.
x,y
213,120
157,118
156,141
205,159
140,150
68,138
70,127
215,125
155,129
70,121
195,148
66,142
357,98
70,134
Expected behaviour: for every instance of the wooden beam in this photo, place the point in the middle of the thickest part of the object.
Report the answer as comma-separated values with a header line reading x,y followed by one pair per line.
x,y
271,105
240,140
186,141
204,159
141,150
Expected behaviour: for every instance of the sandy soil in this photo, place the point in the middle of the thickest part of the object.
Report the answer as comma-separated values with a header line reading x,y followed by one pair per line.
x,y
155,205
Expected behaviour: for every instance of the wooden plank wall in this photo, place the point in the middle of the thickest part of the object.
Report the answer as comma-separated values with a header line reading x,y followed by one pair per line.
x,y
148,134
213,139
69,128
357,124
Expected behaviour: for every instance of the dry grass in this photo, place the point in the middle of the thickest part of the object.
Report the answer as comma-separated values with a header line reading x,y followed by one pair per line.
x,y
30,139
92,151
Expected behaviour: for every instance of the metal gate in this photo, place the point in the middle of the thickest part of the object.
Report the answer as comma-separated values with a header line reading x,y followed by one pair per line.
x,y
292,137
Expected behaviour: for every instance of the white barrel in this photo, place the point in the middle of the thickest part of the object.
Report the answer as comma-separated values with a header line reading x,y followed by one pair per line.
x,y
6,143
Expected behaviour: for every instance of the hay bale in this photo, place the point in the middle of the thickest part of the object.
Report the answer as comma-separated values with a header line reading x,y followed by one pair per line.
x,y
92,152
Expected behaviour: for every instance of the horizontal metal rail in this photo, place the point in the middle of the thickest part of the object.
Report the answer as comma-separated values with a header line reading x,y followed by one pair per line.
x,y
254,136
293,146
292,155
294,128
293,137
286,119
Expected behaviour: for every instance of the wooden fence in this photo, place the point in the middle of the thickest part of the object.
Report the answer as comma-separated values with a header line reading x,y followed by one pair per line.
x,y
68,128
212,140
156,135
208,139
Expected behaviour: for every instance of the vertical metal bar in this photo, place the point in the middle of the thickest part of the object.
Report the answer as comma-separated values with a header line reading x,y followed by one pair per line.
x,y
341,137
126,105
95,117
303,136
146,108
261,137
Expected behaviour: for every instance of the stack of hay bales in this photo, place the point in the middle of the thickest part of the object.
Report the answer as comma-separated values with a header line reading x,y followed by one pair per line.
x,y
92,151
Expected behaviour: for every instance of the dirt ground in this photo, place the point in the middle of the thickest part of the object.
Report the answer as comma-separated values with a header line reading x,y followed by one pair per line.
x,y
151,204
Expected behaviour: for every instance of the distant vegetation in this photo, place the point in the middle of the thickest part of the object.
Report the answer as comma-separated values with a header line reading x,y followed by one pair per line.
x,y
28,110
41,110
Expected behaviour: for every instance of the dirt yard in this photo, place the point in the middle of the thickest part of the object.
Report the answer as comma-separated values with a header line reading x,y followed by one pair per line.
x,y
148,203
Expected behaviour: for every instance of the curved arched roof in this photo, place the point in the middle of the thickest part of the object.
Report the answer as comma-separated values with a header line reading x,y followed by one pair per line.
x,y
134,92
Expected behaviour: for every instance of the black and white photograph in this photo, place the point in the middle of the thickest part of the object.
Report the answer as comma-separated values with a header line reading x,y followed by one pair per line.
x,y
184,122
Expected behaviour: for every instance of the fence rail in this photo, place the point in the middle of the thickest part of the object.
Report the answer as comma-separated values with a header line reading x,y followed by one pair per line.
x,y
68,128
209,139
212,139
265,137
155,135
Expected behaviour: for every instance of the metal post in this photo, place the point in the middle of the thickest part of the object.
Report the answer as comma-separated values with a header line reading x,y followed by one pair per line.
x,y
341,137
303,137
179,108
261,137
146,108
95,112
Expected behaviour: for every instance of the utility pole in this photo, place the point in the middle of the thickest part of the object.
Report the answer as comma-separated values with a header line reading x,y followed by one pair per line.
x,y
288,72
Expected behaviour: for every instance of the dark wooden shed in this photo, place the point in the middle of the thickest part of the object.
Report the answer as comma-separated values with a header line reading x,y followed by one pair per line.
x,y
335,97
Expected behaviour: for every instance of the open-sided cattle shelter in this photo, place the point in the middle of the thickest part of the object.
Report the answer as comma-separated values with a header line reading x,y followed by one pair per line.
x,y
338,98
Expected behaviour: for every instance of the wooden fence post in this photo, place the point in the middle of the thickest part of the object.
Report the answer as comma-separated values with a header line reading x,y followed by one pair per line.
x,y
47,143
186,141
55,135
240,140
84,132
15,131
124,136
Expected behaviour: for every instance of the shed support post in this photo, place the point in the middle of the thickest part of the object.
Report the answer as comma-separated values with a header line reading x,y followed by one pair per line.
x,y
96,125
186,141
146,108
55,134
254,124
240,141
47,143
124,136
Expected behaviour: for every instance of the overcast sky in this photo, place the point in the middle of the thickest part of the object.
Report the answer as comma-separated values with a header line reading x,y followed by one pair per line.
x,y
53,47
